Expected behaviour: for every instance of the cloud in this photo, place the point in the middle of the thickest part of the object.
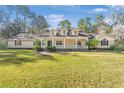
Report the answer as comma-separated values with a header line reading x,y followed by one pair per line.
x,y
55,18
116,7
99,10
96,10
76,8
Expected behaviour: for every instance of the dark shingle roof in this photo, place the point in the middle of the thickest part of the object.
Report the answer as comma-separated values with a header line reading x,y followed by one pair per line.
x,y
47,34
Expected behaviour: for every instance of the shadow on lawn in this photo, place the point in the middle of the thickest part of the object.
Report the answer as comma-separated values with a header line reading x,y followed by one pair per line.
x,y
20,57
46,57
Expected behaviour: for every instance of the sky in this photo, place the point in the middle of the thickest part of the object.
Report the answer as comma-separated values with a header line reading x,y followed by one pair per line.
x,y
54,14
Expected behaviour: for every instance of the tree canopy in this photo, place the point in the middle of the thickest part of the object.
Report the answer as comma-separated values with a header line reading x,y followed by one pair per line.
x,y
39,24
81,24
15,19
65,24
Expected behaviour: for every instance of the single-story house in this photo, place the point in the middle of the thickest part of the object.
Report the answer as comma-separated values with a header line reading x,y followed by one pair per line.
x,y
61,39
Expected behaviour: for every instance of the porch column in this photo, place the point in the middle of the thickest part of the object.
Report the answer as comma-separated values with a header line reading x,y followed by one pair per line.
x,y
52,42
75,43
55,42
64,43
41,42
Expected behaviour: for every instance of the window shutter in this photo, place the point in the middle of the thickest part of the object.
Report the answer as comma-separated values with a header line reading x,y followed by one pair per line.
x,y
107,42
15,42
101,42
20,42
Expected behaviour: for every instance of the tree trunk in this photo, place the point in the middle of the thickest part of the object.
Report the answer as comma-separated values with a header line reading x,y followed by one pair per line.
x,y
17,19
24,23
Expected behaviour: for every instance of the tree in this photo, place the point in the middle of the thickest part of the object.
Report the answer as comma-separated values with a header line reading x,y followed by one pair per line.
x,y
118,33
10,26
39,24
65,24
116,17
14,8
94,27
87,24
10,30
23,20
84,24
81,25
100,19
37,45
21,10
108,29
5,24
4,18
26,13
92,43
99,24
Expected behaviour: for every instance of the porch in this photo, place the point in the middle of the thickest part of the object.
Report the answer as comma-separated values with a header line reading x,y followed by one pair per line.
x,y
64,43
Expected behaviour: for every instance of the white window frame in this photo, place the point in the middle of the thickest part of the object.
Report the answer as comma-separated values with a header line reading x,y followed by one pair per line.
x,y
78,43
17,42
59,42
43,43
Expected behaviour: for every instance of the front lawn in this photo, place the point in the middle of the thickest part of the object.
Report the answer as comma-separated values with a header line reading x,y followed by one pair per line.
x,y
25,68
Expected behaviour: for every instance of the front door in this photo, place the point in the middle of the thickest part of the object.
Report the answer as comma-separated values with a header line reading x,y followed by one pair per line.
x,y
49,43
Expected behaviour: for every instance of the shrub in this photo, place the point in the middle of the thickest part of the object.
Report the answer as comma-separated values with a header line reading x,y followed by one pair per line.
x,y
37,45
3,44
93,43
37,42
51,48
119,47
113,47
37,48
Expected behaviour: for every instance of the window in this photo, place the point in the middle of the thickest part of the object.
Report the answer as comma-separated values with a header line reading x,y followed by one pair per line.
x,y
79,43
52,33
104,42
17,42
64,32
43,42
75,32
58,42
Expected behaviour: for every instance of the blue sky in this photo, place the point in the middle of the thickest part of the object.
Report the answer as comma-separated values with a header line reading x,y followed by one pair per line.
x,y
54,14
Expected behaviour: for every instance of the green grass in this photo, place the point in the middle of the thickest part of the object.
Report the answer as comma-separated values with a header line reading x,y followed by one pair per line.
x,y
25,68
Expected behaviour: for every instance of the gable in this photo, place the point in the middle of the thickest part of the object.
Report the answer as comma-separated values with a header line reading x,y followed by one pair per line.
x,y
100,37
